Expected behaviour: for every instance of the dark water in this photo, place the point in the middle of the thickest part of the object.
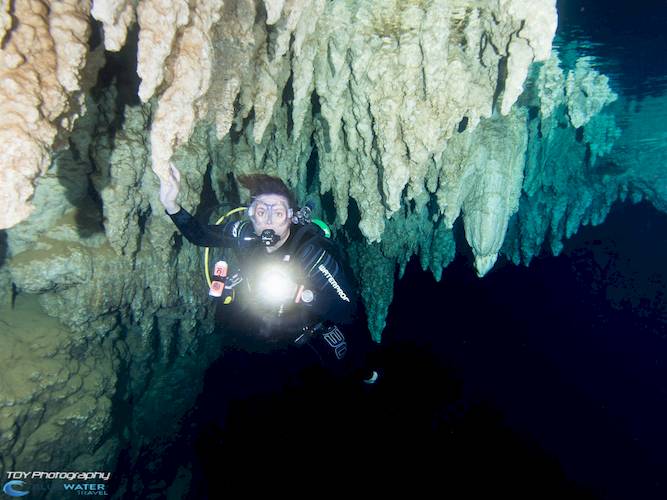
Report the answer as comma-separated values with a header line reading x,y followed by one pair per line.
x,y
626,41
540,382
571,351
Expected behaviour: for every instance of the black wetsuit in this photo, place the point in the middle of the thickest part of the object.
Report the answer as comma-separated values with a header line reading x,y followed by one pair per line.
x,y
312,260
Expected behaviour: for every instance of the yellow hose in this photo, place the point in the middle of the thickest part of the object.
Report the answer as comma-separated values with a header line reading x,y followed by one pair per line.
x,y
219,221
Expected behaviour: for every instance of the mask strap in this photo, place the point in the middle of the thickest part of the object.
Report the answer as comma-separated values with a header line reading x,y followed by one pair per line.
x,y
251,208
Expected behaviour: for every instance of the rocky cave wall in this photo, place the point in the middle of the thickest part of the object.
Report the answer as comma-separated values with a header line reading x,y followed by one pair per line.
x,y
406,115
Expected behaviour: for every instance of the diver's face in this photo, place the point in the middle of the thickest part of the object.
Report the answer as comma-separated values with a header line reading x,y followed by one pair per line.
x,y
271,211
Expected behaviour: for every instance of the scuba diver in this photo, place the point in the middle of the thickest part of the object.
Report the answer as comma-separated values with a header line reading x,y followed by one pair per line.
x,y
290,281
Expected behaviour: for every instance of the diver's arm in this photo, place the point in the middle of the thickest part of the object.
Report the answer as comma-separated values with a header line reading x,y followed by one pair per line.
x,y
230,235
195,232
335,298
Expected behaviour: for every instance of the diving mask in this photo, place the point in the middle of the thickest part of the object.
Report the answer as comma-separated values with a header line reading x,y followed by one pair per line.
x,y
263,213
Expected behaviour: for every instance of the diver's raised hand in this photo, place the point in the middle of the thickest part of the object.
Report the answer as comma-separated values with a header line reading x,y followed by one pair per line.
x,y
169,189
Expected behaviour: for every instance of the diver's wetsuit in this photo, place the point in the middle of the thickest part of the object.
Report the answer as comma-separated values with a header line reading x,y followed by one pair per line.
x,y
313,261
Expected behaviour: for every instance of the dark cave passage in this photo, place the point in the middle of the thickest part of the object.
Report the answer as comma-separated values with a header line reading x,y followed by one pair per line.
x,y
530,382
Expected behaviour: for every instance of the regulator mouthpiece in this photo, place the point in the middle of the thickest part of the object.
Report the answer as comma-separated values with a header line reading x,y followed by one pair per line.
x,y
269,237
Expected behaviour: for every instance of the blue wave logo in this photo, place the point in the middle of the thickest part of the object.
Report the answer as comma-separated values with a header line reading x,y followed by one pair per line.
x,y
9,488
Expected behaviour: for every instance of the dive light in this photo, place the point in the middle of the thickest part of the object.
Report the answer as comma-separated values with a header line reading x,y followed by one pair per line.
x,y
275,286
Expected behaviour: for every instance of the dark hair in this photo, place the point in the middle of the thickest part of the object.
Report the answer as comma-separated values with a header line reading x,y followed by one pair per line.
x,y
265,184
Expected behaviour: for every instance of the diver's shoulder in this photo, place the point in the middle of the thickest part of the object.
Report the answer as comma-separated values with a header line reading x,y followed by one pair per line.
x,y
312,236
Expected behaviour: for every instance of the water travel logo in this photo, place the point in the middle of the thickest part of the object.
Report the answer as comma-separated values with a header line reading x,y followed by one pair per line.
x,y
87,488
16,487
8,488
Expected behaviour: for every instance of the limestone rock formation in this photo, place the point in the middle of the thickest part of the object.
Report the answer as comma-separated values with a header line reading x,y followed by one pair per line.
x,y
43,78
586,93
388,73
55,389
100,300
482,176
433,68
397,118
572,172
116,16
